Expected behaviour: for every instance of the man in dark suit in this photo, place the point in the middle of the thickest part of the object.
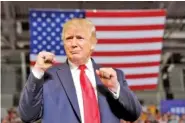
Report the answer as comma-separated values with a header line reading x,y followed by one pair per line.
x,y
78,91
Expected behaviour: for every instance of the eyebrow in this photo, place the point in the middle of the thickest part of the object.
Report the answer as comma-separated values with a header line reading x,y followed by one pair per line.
x,y
77,36
69,37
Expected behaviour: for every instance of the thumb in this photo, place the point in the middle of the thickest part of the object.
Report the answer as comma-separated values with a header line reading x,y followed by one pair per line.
x,y
98,72
54,61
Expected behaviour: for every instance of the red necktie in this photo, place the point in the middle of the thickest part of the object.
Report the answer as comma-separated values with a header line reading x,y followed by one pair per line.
x,y
90,103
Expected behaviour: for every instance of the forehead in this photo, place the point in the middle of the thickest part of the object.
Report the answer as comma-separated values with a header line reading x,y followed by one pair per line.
x,y
77,30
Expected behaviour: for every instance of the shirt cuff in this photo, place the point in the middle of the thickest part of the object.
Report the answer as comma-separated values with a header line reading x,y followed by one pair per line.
x,y
38,74
114,92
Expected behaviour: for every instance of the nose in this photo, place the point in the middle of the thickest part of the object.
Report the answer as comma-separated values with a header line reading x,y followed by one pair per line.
x,y
74,42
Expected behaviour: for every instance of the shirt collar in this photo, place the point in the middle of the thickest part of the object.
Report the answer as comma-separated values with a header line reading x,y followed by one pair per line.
x,y
88,65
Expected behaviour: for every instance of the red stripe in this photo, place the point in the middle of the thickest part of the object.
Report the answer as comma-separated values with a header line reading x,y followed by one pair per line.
x,y
143,87
127,53
129,41
153,13
139,76
128,65
32,63
129,28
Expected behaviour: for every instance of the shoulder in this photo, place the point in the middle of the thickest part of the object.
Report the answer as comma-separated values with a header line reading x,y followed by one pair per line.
x,y
118,71
55,68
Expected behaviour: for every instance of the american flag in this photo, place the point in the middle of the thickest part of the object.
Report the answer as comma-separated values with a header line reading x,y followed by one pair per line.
x,y
130,40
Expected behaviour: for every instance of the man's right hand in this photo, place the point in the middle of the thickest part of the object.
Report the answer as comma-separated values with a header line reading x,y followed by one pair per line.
x,y
44,61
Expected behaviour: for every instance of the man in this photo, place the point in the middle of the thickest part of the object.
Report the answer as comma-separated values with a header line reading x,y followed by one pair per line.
x,y
78,91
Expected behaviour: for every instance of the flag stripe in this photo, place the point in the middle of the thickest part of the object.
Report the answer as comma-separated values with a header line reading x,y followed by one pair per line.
x,y
128,47
143,87
137,76
129,41
118,14
127,53
129,28
142,81
128,65
124,21
139,70
129,34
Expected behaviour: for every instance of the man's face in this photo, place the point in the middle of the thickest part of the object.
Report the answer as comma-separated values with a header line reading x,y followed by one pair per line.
x,y
77,43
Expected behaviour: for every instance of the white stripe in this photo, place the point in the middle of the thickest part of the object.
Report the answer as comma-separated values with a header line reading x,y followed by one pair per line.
x,y
145,81
113,59
126,59
100,21
129,47
129,34
139,70
61,59
33,57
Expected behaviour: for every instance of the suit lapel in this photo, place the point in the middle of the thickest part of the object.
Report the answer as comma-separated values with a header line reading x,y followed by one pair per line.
x,y
66,80
101,91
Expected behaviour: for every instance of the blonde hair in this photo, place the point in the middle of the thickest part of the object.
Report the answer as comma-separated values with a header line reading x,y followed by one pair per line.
x,y
83,23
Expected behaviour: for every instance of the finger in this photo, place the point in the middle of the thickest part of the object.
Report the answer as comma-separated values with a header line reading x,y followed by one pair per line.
x,y
98,72
105,75
44,53
109,72
49,58
54,61
106,82
48,65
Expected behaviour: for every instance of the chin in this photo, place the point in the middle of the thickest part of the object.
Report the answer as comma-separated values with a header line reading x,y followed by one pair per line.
x,y
76,58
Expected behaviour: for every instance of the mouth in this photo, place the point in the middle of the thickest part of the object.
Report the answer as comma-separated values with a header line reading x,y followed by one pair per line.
x,y
74,52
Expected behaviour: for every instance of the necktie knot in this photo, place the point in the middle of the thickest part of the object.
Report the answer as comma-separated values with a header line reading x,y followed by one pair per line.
x,y
82,67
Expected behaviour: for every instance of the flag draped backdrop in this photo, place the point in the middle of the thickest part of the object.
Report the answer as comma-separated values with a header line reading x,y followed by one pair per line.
x,y
130,40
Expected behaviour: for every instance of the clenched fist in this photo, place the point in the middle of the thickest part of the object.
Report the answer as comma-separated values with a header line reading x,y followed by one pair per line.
x,y
108,77
44,61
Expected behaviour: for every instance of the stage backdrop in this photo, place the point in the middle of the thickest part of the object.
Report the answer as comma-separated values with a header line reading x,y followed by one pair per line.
x,y
130,40
173,106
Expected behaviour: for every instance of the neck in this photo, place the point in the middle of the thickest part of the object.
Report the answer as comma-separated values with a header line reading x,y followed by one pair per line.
x,y
79,62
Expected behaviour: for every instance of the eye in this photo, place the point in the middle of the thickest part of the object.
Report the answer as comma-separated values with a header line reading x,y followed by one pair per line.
x,y
69,37
79,37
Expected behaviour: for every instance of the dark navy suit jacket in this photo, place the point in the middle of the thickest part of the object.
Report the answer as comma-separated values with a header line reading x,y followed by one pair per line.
x,y
53,99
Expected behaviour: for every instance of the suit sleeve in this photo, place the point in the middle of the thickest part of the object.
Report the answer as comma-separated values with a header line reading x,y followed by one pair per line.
x,y
31,100
127,106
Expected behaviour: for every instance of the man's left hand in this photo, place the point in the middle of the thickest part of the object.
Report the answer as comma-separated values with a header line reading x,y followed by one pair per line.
x,y
108,77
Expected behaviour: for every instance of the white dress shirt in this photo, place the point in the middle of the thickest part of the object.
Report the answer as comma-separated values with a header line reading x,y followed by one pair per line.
x,y
76,78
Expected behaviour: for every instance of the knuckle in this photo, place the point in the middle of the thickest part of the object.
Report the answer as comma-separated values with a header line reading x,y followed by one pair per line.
x,y
103,69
